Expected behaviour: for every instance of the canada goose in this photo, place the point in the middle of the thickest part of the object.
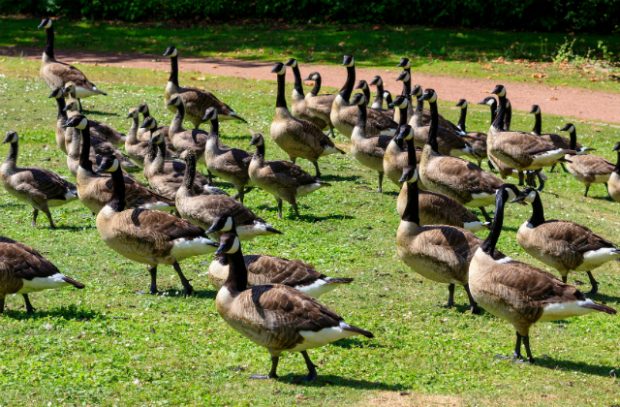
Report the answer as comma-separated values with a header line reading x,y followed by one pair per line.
x,y
195,100
613,185
495,164
519,293
344,116
61,117
148,236
94,189
24,270
477,140
299,105
455,177
439,253
388,98
202,210
405,77
180,138
230,164
38,187
363,86
134,147
282,179
320,105
298,138
563,245
264,269
149,125
434,208
56,73
377,103
275,316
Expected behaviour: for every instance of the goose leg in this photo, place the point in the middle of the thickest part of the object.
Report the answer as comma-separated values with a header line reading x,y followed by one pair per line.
x,y
49,218
209,177
272,373
473,306
241,194
35,214
553,167
295,208
521,178
587,189
565,279
491,166
279,201
594,284
563,167
316,169
29,308
331,131
153,273
380,190
450,296
80,105
311,368
485,214
187,287
2,305
528,351
541,181
517,353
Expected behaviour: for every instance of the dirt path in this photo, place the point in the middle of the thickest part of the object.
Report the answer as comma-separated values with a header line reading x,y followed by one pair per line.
x,y
580,103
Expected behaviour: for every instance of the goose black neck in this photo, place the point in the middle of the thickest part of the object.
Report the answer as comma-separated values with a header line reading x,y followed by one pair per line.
x,y
181,112
237,280
281,99
617,167
260,150
411,212
298,85
60,102
161,150
537,129
508,117
366,92
432,132
411,158
407,83
419,107
488,246
493,111
317,86
498,121
361,117
538,213
12,156
346,90
573,139
379,96
215,128
190,172
49,46
151,152
462,124
118,191
402,117
85,152
174,71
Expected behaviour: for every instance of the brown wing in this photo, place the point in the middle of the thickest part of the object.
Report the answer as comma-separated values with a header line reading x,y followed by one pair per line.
x,y
309,134
69,73
579,237
463,175
321,103
518,143
289,174
24,262
156,225
276,270
558,141
591,164
49,183
380,121
198,100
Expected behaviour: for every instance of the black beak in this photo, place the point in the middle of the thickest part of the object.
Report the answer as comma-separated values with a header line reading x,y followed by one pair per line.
x,y
406,174
220,249
497,90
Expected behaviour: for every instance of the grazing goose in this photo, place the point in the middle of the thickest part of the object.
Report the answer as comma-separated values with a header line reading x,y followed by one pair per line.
x,y
264,269
38,187
180,138
477,140
344,116
586,168
230,164
369,151
195,100
282,179
299,107
519,293
320,105
298,138
202,210
56,73
439,253
24,270
275,316
148,236
455,177
395,157
61,118
94,189
434,208
564,245
613,185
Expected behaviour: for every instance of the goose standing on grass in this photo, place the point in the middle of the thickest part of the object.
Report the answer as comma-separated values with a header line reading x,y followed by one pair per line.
x,y
298,138
477,140
493,163
230,164
180,138
613,185
438,252
586,168
147,236
202,210
454,177
38,187
284,180
134,147
405,77
377,103
144,133
434,208
564,245
395,158
519,293
300,108
264,269
196,100
276,316
24,270
320,105
56,73
61,118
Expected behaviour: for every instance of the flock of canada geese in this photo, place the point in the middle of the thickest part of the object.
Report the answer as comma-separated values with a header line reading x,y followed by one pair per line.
x,y
271,300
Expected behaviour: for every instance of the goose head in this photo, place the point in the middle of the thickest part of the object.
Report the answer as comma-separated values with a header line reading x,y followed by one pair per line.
x,y
535,109
143,108
157,138
362,84
229,244
57,93
222,224
569,127
257,140
45,23
489,101
133,113
10,137
278,68
71,106
429,95
404,63
358,99
400,102
376,81
314,76
499,90
417,91
462,103
78,121
292,62
171,52
69,89
348,61
210,114
108,163
528,195
175,100
149,123
617,146
404,76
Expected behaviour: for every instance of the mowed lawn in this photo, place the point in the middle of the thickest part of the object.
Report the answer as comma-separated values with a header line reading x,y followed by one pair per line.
x,y
110,344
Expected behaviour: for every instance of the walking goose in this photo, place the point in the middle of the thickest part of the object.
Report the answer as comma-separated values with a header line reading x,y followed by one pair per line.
x,y
94,189
147,236
613,185
454,177
434,208
24,270
282,179
180,138
56,73
320,105
276,316
395,157
518,292
298,138
202,210
564,245
264,269
344,116
230,164
196,100
37,187
299,106
440,253
477,140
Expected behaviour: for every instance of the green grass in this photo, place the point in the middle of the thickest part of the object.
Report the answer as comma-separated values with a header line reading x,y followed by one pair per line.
x,y
109,345
522,56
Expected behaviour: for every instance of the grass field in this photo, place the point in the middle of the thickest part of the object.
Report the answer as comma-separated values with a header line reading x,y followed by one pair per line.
x,y
111,345
522,56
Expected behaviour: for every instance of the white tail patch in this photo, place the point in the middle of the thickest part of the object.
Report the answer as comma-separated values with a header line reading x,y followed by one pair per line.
x,y
475,226
316,288
331,150
256,229
43,283
388,132
71,195
322,337
187,248
553,312
306,189
594,258
504,260
158,206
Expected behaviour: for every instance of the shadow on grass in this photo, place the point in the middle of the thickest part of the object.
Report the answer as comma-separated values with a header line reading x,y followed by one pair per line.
x,y
351,343
70,312
572,366
98,112
179,293
604,298
331,177
334,380
72,228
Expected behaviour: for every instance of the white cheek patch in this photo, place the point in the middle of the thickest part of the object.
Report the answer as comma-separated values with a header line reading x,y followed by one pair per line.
x,y
531,197
235,246
228,225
